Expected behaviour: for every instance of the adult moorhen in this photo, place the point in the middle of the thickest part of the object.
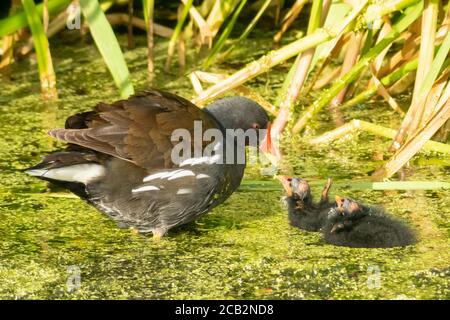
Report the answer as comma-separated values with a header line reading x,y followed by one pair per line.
x,y
356,225
120,158
303,213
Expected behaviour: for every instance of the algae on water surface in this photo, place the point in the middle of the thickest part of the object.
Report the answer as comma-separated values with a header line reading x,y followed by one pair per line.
x,y
242,249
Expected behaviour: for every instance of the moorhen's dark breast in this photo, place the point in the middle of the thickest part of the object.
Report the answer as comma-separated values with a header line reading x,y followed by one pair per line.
x,y
119,158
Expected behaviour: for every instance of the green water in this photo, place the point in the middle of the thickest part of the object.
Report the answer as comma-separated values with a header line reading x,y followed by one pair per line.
x,y
242,249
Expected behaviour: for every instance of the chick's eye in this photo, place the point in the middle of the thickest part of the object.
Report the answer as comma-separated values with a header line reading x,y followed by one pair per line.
x,y
255,126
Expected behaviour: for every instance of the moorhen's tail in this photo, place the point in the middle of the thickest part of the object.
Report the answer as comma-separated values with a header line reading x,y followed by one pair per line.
x,y
69,169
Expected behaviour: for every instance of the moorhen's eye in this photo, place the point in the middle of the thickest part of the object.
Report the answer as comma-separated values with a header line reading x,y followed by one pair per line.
x,y
255,126
289,179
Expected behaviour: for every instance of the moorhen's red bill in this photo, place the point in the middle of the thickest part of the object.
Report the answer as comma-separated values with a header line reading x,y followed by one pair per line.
x,y
119,158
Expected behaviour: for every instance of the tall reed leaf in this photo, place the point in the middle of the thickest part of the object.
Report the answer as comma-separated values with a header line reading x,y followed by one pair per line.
x,y
410,15
148,7
176,34
108,46
224,36
436,66
19,20
288,84
46,72
248,29
248,185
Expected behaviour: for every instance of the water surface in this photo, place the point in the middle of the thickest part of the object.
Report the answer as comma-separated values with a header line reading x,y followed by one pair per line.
x,y
242,249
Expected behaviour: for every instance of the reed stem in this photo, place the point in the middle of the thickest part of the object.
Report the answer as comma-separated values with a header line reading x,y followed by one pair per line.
x,y
355,126
247,30
45,64
224,36
385,81
275,57
176,34
148,6
410,15
299,70
415,143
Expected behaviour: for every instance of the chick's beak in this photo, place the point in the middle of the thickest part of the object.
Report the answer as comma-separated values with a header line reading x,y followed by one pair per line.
x,y
335,228
339,203
269,148
285,182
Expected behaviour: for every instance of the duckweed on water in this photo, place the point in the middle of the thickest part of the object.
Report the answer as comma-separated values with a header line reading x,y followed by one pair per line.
x,y
242,249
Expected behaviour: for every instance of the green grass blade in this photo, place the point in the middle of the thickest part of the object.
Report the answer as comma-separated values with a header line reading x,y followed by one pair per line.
x,y
224,36
145,6
108,46
247,30
410,185
336,13
45,65
149,7
176,34
386,81
436,66
313,24
19,20
273,185
410,15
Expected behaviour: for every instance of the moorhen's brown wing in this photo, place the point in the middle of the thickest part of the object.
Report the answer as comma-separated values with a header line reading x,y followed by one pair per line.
x,y
138,129
148,191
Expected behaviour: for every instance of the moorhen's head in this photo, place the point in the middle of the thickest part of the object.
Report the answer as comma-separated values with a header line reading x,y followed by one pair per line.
x,y
297,189
343,213
240,113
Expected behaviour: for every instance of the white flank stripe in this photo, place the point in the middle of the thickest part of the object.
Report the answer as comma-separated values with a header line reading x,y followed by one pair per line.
x,y
36,172
161,175
202,176
154,176
171,173
145,188
215,158
206,160
194,161
83,173
158,175
217,147
184,191
182,173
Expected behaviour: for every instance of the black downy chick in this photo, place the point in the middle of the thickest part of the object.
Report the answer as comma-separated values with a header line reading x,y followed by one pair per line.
x,y
356,225
303,213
